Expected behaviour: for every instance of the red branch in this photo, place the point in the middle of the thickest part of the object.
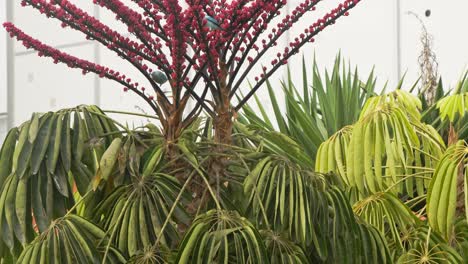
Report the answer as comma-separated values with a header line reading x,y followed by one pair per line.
x,y
179,41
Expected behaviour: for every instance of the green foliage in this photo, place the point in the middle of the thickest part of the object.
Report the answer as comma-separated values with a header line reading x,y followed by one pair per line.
x,y
150,255
330,186
386,149
282,250
220,236
70,239
386,212
311,117
135,213
42,160
450,110
386,158
426,246
442,193
452,106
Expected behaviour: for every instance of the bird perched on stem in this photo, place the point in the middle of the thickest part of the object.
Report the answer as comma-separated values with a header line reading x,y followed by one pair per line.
x,y
159,77
212,23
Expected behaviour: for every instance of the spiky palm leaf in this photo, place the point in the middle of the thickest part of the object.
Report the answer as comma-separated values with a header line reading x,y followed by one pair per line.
x,y
311,117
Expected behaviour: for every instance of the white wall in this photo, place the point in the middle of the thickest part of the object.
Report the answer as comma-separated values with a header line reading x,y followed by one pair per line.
x,y
3,73
447,24
3,61
367,38
39,84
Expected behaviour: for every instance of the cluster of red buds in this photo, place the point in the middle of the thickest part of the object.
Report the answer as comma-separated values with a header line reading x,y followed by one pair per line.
x,y
213,44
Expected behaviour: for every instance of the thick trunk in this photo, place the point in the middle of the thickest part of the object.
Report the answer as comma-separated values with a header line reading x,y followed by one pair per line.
x,y
179,166
452,136
223,121
223,124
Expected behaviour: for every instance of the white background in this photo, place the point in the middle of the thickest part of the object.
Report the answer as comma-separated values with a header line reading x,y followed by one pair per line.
x,y
3,74
369,37
3,67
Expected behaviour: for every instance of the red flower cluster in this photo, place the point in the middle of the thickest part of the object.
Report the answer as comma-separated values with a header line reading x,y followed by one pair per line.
x,y
214,43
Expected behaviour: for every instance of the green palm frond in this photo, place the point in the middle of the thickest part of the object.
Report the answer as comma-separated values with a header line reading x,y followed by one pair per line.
x,y
387,148
450,109
331,155
388,214
442,194
399,98
285,197
136,213
151,255
453,106
220,236
428,247
70,239
282,250
41,162
305,208
350,239
459,238
370,247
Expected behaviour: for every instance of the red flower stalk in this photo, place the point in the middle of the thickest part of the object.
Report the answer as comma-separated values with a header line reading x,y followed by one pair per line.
x,y
209,44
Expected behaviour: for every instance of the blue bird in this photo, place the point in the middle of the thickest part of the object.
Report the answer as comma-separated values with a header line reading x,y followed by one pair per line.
x,y
212,23
159,77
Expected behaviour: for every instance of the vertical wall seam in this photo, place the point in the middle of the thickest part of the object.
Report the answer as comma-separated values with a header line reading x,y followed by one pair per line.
x,y
398,39
10,69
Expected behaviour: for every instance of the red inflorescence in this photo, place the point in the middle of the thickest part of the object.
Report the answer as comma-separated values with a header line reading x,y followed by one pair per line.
x,y
179,41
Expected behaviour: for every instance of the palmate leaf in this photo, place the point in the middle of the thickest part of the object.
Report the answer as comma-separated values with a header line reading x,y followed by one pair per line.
x,y
303,207
282,250
286,198
219,236
41,162
456,105
354,241
331,156
453,106
449,109
424,245
151,255
70,239
387,148
388,214
442,193
135,212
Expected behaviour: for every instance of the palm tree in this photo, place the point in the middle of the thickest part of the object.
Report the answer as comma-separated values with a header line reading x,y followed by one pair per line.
x,y
79,187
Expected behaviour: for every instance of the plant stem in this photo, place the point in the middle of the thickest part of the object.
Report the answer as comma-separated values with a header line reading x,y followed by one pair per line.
x,y
130,113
